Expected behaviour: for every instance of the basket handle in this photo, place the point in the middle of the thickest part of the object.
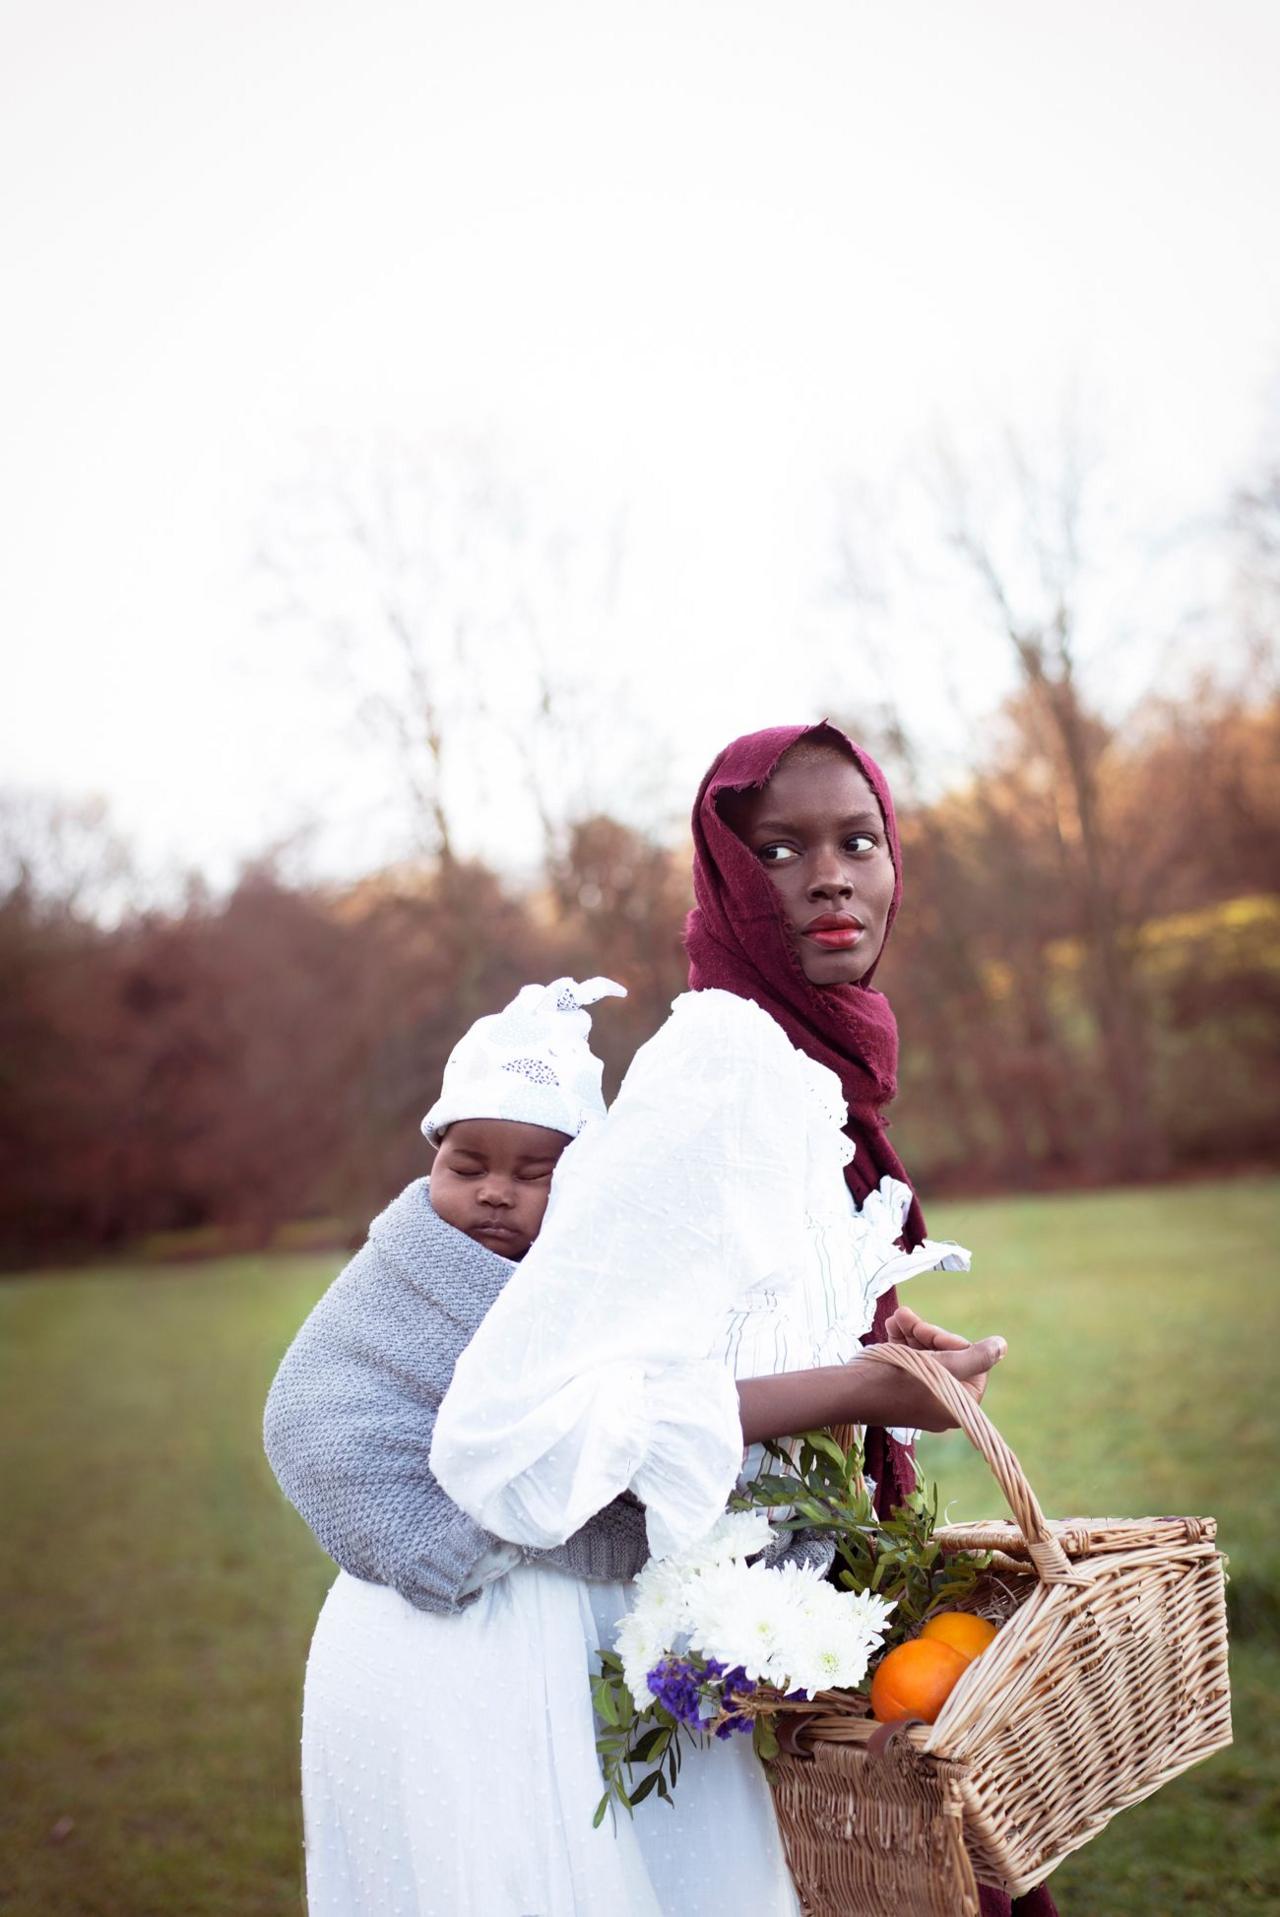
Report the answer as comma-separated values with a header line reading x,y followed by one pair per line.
x,y
1048,1556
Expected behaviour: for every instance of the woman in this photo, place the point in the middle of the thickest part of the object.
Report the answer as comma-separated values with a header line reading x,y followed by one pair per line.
x,y
705,1277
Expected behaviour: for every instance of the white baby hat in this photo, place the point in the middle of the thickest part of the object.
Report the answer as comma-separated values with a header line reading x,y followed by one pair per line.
x,y
531,1062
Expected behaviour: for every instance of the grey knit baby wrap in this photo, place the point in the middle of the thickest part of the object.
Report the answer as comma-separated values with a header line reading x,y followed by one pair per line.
x,y
351,1413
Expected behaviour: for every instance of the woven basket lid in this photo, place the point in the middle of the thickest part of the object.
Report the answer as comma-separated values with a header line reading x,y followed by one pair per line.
x,y
1080,1537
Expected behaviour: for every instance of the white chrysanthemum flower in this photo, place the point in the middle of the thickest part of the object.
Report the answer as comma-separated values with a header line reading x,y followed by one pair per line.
x,y
838,1635
787,1627
659,1588
640,1649
806,1585
747,1614
733,1537
829,1655
873,1609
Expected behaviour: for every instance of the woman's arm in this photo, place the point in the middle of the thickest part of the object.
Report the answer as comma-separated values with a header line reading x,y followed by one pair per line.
x,y
855,1393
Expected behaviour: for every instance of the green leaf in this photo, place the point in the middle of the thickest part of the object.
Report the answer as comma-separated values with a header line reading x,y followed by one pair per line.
x,y
601,1808
773,1490
651,1744
605,1702
644,1787
823,1442
811,1508
764,1737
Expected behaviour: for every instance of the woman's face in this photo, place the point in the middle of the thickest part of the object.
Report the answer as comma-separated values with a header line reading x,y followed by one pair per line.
x,y
817,830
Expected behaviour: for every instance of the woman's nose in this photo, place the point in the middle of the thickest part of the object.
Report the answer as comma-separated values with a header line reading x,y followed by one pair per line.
x,y
829,880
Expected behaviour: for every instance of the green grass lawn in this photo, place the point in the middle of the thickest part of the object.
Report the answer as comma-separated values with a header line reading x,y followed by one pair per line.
x,y
157,1595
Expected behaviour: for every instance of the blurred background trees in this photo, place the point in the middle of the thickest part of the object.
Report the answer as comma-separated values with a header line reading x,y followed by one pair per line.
x,y
1086,976
255,1060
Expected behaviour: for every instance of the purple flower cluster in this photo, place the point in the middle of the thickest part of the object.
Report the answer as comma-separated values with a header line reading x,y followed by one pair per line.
x,y
680,1685
734,1684
677,1686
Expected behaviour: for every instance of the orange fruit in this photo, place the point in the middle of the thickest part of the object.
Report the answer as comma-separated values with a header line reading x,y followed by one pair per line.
x,y
915,1680
961,1630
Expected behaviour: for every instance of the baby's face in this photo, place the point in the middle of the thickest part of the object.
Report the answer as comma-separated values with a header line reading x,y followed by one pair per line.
x,y
491,1179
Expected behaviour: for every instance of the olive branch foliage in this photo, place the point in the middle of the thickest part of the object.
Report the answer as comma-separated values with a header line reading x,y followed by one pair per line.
x,y
824,1489
814,1485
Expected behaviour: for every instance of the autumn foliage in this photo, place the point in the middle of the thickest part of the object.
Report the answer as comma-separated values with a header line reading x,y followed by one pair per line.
x,y
231,1066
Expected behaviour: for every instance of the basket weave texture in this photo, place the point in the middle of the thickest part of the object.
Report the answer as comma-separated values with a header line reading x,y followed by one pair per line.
x,y
1107,1678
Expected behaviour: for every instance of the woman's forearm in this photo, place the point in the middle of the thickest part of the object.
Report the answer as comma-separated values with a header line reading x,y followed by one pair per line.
x,y
855,1393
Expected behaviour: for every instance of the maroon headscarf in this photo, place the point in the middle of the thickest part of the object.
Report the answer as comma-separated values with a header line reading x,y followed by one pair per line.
x,y
738,940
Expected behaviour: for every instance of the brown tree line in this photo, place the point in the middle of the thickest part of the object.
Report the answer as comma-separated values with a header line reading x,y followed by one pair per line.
x,y
236,1065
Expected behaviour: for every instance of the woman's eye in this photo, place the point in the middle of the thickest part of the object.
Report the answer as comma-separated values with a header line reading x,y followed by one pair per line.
x,y
776,854
861,842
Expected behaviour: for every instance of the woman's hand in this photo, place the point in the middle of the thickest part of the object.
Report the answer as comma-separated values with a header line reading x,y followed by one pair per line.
x,y
907,1327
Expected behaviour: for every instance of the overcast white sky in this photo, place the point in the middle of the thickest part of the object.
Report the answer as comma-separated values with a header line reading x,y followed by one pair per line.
x,y
693,259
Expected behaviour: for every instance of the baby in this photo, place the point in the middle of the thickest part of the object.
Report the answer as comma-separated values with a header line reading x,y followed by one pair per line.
x,y
516,1089
351,1414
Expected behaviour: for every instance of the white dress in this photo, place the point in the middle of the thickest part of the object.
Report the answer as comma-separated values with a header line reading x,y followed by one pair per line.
x,y
702,1232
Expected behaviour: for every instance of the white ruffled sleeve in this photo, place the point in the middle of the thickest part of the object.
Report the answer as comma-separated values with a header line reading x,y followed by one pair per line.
x,y
593,1374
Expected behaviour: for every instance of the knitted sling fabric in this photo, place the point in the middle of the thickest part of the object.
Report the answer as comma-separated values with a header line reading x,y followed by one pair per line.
x,y
737,940
351,1414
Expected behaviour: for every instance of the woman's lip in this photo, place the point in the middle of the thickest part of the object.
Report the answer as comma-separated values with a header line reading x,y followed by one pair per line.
x,y
836,938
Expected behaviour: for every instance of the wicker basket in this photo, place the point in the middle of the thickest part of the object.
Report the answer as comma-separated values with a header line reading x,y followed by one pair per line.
x,y
1108,1677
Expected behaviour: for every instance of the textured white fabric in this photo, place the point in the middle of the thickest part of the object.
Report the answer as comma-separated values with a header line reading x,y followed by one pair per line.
x,y
531,1062
703,1232
449,1770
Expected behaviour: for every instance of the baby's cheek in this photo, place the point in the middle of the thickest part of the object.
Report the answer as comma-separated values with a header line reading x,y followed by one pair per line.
x,y
534,1211
444,1200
